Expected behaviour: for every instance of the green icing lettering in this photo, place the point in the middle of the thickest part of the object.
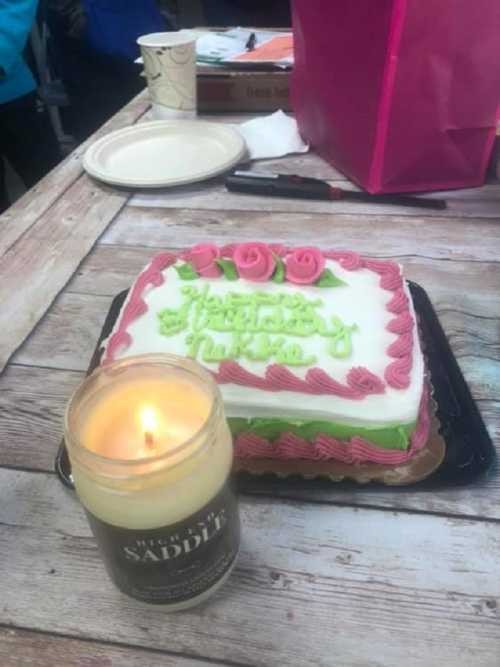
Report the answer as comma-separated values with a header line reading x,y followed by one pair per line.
x,y
258,324
341,341
200,317
213,352
172,321
194,341
293,355
266,347
240,346
189,293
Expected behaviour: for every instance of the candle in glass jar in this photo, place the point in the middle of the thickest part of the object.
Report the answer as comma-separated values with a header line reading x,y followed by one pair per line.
x,y
144,418
151,455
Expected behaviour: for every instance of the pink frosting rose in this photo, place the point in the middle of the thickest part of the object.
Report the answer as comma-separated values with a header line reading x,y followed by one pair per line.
x,y
254,261
304,266
202,258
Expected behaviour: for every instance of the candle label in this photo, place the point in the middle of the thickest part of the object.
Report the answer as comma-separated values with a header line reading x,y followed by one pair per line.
x,y
177,562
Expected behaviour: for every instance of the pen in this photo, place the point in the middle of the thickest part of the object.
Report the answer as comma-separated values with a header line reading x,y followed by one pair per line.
x,y
301,187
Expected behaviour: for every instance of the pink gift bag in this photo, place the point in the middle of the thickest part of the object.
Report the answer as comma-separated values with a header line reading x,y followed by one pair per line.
x,y
400,95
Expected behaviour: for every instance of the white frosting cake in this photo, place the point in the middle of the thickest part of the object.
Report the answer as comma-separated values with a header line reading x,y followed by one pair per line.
x,y
298,335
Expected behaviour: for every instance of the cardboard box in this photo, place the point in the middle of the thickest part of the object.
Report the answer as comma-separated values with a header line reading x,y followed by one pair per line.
x,y
225,89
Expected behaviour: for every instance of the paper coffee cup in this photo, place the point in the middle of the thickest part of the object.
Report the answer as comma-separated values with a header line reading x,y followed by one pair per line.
x,y
170,68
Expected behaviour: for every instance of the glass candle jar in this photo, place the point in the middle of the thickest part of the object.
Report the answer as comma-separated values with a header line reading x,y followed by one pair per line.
x,y
151,455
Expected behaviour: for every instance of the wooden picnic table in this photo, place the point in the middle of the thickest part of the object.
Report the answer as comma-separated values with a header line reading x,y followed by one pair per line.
x,y
326,576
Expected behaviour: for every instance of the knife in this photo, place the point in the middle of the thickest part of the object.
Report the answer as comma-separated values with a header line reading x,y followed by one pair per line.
x,y
302,187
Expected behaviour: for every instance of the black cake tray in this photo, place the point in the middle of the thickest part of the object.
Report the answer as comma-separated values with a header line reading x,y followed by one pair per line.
x,y
469,450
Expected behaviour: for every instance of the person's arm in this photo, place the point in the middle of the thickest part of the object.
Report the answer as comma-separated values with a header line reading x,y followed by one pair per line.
x,y
16,19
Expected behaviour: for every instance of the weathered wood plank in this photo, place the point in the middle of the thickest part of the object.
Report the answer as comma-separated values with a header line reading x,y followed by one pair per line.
x,y
311,582
49,231
110,269
35,270
67,335
305,164
213,196
28,209
25,648
32,402
440,238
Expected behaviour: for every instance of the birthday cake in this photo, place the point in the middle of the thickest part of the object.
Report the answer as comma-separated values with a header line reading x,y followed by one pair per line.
x,y
316,353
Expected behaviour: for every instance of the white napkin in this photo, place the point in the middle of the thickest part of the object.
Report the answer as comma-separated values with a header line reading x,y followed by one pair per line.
x,y
268,137
272,136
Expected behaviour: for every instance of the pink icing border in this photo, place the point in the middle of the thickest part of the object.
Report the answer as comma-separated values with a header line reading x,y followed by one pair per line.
x,y
360,381
288,446
152,276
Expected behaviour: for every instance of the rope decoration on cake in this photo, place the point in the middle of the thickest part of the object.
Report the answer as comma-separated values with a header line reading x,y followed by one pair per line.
x,y
399,302
402,346
360,381
136,306
350,261
401,324
231,372
324,384
363,380
281,378
397,373
249,445
291,446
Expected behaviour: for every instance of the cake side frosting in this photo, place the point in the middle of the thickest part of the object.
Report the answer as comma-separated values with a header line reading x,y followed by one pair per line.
x,y
249,445
332,326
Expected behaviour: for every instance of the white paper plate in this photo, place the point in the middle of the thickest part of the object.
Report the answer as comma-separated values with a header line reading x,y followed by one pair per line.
x,y
164,153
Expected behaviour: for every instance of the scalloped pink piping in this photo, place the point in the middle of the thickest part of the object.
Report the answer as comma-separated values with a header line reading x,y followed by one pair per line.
x,y
136,306
280,378
360,381
248,445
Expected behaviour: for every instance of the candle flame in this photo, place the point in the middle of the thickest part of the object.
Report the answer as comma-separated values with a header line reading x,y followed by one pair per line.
x,y
149,424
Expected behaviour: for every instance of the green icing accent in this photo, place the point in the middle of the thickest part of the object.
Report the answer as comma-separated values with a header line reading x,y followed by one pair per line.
x,y
258,325
279,272
395,436
228,268
341,342
328,279
293,355
172,321
186,272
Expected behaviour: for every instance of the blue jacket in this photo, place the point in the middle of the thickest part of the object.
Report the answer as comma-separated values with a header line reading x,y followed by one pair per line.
x,y
16,20
113,26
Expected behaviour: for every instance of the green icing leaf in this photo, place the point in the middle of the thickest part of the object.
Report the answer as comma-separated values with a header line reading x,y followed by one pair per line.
x,y
328,279
186,271
279,273
228,269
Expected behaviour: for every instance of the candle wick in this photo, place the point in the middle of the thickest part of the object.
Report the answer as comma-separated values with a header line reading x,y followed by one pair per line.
x,y
148,439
